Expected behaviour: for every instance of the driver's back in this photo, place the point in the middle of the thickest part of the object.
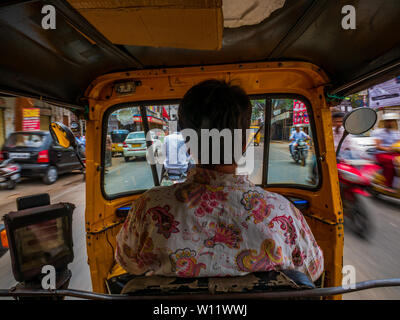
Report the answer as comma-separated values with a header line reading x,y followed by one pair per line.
x,y
216,224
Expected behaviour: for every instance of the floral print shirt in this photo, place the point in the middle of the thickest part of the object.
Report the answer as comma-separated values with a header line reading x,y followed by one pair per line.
x,y
216,224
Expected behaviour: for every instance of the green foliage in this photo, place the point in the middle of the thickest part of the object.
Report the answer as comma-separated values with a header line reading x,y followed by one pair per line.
x,y
283,104
356,100
258,109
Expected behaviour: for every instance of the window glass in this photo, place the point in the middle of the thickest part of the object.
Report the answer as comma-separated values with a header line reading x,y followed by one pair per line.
x,y
255,147
291,158
29,140
126,167
169,147
136,135
130,165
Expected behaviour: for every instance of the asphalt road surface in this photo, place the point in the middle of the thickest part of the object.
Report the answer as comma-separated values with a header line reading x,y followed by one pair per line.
x,y
377,258
136,174
124,176
69,188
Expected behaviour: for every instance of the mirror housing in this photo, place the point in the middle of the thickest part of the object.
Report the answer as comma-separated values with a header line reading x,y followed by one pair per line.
x,y
62,135
360,120
65,138
357,121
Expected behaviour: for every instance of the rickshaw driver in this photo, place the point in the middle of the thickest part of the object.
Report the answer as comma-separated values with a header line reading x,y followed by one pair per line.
x,y
216,223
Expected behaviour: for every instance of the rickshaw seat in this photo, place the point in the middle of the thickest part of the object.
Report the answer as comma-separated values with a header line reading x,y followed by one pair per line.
x,y
252,283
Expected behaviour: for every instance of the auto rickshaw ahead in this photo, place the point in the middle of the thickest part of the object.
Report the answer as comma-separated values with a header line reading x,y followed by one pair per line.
x,y
117,138
276,55
255,135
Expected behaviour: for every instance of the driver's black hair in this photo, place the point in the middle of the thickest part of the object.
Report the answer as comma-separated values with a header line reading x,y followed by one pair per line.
x,y
215,104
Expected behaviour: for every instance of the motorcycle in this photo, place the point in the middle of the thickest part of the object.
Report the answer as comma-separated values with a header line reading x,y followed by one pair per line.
x,y
10,174
378,182
170,177
354,181
300,152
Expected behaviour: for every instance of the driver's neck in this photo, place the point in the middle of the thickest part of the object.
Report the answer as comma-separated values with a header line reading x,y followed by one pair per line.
x,y
224,168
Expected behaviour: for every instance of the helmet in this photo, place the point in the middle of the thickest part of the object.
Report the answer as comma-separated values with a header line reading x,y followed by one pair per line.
x,y
390,116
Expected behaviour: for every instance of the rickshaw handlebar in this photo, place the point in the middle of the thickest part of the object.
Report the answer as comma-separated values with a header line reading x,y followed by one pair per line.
x,y
308,293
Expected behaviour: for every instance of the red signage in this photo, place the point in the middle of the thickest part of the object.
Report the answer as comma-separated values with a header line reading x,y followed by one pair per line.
x,y
149,119
300,115
31,119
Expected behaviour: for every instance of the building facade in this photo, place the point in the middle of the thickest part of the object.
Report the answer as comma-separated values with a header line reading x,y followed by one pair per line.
x,y
18,114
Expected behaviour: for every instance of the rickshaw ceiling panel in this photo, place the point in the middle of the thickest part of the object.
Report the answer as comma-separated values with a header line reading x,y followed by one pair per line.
x,y
192,24
59,65
254,78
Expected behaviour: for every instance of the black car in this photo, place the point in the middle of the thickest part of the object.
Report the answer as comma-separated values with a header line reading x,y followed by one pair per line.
x,y
39,156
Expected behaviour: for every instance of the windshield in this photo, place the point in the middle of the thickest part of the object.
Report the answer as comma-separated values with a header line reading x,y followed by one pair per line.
x,y
140,167
136,135
118,137
29,140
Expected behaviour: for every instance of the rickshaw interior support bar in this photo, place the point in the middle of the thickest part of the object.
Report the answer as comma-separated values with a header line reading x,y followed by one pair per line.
x,y
309,293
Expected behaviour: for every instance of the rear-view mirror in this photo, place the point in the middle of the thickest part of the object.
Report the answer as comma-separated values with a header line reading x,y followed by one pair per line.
x,y
360,120
62,134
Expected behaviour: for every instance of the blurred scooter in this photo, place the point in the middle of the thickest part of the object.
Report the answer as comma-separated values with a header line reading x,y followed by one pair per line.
x,y
354,178
10,174
378,182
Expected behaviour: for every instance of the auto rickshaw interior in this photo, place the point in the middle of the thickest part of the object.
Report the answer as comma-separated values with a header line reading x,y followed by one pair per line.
x,y
97,65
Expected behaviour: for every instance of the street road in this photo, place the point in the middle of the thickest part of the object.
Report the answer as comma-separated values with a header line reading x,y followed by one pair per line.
x,y
377,258
136,174
69,188
124,176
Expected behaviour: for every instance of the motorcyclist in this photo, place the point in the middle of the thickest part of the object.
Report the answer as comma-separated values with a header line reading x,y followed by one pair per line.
x,y
177,158
385,154
296,136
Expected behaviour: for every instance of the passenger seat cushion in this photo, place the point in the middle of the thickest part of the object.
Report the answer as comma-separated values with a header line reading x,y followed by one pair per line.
x,y
254,282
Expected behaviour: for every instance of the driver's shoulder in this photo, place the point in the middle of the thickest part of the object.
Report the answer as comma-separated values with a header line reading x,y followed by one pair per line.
x,y
271,197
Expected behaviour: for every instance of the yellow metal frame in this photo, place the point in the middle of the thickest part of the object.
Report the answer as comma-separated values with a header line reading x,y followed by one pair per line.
x,y
325,213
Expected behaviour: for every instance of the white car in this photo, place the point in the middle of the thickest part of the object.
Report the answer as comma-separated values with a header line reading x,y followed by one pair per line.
x,y
135,145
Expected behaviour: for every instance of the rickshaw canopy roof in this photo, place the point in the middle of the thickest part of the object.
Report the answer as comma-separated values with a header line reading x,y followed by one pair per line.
x,y
58,65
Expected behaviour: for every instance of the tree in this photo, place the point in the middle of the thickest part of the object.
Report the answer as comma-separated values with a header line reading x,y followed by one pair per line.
x,y
258,109
356,100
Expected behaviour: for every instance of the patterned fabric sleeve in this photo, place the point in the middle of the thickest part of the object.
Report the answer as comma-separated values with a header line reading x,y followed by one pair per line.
x,y
307,256
133,241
